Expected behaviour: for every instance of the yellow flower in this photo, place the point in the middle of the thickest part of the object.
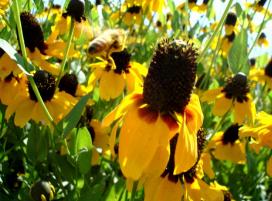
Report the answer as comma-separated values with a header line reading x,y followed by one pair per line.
x,y
3,6
227,146
62,27
24,103
234,95
262,132
263,76
100,138
7,65
165,107
258,6
262,40
130,13
38,50
185,186
193,6
114,78
226,44
230,23
70,85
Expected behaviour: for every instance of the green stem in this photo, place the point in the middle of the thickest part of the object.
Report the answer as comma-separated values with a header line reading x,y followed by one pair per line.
x,y
23,49
222,20
260,29
134,190
66,52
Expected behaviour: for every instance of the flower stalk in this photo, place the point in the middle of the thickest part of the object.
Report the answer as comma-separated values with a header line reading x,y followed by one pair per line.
x,y
23,49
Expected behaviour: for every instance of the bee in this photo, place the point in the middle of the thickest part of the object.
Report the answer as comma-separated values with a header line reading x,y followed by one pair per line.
x,y
111,40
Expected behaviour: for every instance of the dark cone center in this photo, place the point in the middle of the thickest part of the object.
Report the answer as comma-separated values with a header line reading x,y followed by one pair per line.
x,y
69,83
134,9
261,2
171,76
46,85
75,9
237,88
32,32
121,60
231,134
268,69
231,19
231,37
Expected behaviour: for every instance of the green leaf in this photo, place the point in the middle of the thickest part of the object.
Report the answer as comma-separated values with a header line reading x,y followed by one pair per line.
x,y
15,56
39,5
238,57
84,147
71,119
238,9
37,145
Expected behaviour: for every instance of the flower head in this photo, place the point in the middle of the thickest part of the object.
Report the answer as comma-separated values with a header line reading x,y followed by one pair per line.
x,y
150,119
234,94
75,9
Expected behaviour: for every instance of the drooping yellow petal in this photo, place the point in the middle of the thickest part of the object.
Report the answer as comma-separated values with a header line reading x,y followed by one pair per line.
x,y
243,110
210,193
210,95
23,113
162,189
234,153
139,141
194,115
207,165
121,109
159,162
111,85
186,150
222,105
269,167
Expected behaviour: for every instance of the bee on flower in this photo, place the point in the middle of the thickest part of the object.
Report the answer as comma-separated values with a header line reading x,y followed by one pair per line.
x,y
111,40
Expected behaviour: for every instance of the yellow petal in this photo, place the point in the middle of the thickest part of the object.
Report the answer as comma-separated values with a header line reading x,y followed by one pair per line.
x,y
139,141
194,115
111,85
234,153
162,189
24,113
121,109
243,110
210,95
207,165
222,105
159,162
186,150
269,167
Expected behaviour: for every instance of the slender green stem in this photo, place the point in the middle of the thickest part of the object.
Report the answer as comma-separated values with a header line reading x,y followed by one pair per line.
x,y
67,48
222,20
23,49
260,29
134,190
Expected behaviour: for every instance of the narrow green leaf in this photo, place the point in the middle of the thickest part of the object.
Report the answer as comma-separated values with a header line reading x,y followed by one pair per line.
x,y
39,5
237,57
37,145
71,119
15,56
